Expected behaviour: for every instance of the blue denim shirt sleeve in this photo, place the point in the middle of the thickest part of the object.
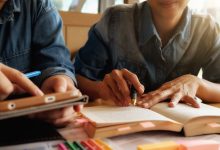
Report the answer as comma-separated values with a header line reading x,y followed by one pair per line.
x,y
126,37
49,52
211,68
92,60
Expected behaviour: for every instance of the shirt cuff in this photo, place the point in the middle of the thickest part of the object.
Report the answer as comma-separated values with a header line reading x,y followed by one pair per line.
x,y
54,71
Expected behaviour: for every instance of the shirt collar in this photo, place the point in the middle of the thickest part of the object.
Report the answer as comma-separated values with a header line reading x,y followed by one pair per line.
x,y
146,26
8,10
184,27
147,30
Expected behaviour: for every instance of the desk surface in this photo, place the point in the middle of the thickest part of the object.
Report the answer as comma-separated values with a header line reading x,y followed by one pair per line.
x,y
130,141
75,132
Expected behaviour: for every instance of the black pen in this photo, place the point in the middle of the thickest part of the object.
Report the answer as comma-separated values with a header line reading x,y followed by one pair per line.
x,y
133,95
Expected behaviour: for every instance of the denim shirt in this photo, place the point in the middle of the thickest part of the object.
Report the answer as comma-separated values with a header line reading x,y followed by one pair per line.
x,y
126,37
31,39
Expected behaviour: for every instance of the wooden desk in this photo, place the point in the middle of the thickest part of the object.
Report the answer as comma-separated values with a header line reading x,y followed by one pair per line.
x,y
75,132
129,142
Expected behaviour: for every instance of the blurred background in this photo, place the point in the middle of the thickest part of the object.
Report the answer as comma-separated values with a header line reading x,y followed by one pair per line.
x,y
99,6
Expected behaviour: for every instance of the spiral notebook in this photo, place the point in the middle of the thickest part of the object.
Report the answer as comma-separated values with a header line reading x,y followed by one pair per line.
x,y
24,130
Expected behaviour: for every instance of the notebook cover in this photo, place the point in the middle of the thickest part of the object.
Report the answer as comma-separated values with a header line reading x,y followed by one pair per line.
x,y
24,130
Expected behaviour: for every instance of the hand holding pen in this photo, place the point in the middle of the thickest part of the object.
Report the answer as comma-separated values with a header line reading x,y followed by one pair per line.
x,y
13,81
133,96
116,86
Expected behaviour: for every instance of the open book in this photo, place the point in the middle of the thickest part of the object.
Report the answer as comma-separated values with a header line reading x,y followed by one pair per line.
x,y
108,121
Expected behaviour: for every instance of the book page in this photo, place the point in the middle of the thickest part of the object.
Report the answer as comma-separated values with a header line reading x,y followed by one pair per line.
x,y
109,115
183,112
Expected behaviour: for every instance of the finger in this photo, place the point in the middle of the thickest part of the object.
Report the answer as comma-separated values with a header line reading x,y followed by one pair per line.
x,y
121,83
78,108
192,101
60,84
20,79
54,114
18,90
143,98
76,92
131,77
143,103
6,87
109,94
112,85
46,115
62,122
70,83
175,99
157,97
106,93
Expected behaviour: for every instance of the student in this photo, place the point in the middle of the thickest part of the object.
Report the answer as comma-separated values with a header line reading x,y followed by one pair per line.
x,y
31,39
158,44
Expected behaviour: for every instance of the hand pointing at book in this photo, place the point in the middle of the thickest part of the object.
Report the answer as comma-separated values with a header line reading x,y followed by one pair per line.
x,y
183,89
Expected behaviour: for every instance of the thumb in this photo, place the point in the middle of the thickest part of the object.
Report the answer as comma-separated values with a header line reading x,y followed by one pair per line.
x,y
60,85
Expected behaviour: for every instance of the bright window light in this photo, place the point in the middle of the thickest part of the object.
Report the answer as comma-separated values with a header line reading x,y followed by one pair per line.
x,y
90,6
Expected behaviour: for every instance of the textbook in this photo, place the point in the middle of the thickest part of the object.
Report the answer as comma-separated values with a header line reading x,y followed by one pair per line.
x,y
108,121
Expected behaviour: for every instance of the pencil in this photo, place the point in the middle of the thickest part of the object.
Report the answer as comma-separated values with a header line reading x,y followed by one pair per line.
x,y
133,95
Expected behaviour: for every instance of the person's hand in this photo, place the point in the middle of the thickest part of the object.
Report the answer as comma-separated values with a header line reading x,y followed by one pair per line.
x,y
63,116
115,86
183,89
13,81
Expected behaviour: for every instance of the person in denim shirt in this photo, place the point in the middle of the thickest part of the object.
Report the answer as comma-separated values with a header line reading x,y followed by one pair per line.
x,y
31,39
157,46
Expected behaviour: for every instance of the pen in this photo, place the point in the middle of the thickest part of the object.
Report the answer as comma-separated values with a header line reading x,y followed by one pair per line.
x,y
32,74
133,95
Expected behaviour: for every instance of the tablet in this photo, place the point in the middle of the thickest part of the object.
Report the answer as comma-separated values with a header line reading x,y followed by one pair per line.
x,y
28,105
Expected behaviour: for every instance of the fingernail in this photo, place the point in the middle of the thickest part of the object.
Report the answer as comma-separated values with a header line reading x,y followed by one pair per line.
x,y
141,88
174,103
75,93
78,108
39,92
81,107
62,89
197,105
146,105
170,104
139,102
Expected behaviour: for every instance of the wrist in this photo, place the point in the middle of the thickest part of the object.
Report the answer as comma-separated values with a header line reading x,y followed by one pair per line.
x,y
201,86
